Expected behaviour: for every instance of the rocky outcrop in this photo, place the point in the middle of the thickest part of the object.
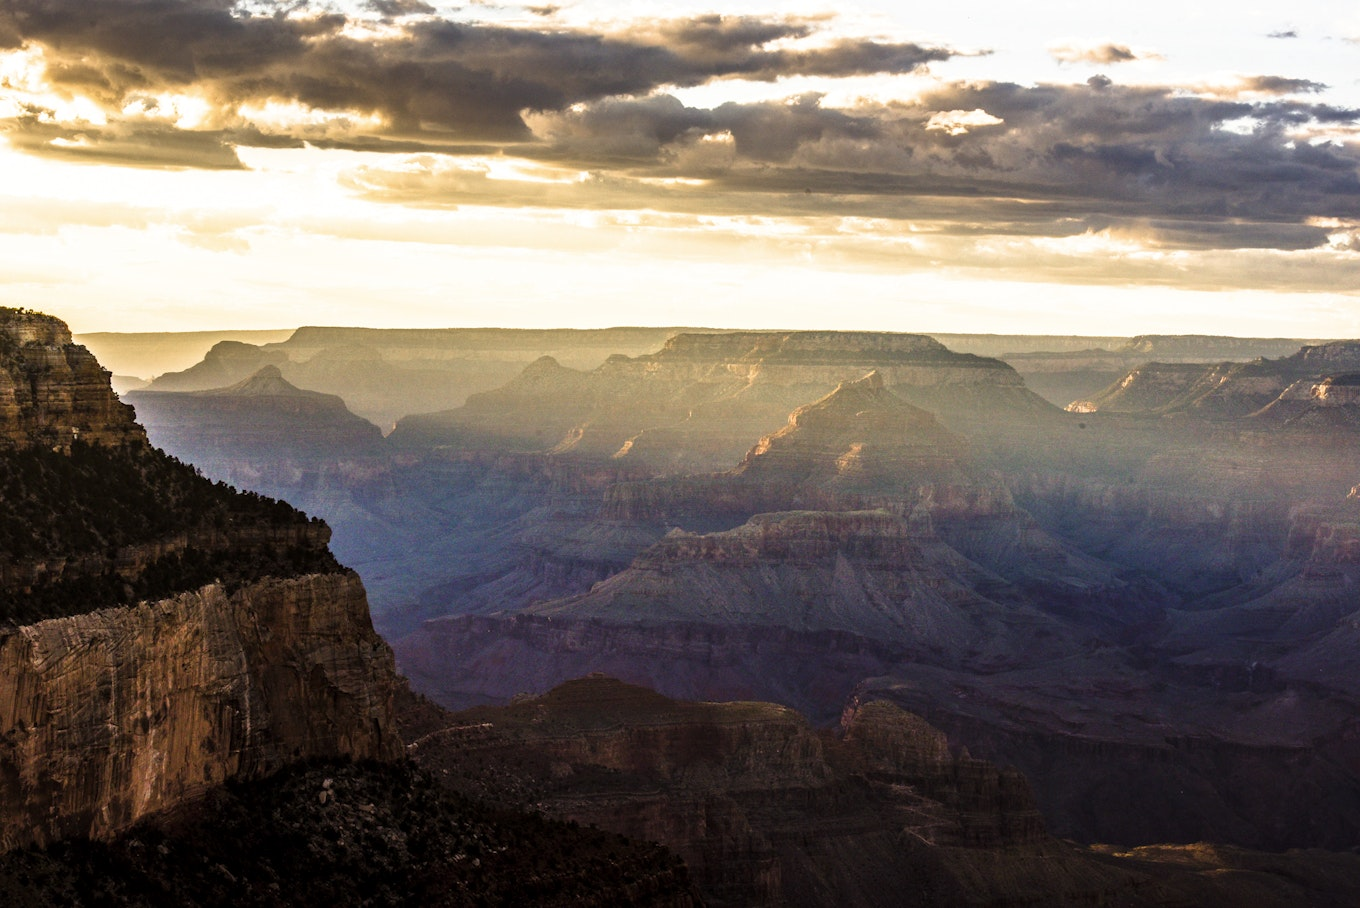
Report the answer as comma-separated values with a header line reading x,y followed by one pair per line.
x,y
1326,411
702,400
880,811
159,633
756,802
118,713
1224,390
462,661
860,437
1072,377
52,391
1338,390
863,573
227,363
1192,540
263,433
385,374
1147,387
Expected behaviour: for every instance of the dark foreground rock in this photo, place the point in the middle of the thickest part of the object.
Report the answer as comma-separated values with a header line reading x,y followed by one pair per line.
x,y
345,834
880,811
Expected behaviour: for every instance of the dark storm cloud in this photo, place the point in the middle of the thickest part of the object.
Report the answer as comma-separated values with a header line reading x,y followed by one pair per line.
x,y
429,78
1144,158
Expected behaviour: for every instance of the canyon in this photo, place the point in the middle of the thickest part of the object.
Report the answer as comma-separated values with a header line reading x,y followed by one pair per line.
x,y
185,666
1142,608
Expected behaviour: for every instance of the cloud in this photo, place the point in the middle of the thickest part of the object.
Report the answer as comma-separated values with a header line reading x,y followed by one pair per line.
x,y
184,83
1267,85
129,144
959,122
392,9
409,78
968,156
1107,53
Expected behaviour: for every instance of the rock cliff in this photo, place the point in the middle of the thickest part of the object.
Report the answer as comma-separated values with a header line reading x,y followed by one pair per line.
x,y
879,811
1223,390
159,633
52,391
864,573
764,810
860,437
384,374
118,713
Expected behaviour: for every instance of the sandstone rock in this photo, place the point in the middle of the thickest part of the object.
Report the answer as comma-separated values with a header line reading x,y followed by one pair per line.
x,y
1224,390
53,391
864,573
703,399
110,713
385,374
109,716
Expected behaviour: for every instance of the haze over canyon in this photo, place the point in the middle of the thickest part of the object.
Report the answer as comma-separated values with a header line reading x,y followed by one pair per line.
x,y
965,625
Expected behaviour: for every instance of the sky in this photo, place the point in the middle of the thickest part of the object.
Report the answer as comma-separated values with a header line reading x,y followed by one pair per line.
x,y
1098,169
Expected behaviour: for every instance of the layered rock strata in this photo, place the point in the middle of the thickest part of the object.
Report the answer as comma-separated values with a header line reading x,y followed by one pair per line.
x,y
1223,390
264,433
52,391
384,374
159,633
702,400
115,714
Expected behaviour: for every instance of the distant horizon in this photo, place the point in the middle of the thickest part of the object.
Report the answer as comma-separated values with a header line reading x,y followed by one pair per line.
x,y
695,328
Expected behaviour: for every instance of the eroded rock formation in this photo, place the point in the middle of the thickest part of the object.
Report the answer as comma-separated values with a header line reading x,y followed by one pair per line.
x,y
121,712
52,391
159,633
702,400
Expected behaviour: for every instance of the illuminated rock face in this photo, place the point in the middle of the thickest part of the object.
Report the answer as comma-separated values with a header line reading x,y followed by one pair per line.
x,y
113,708
1233,390
702,400
116,714
53,391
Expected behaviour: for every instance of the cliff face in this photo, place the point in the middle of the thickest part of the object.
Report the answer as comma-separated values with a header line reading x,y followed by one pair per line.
x,y
882,811
1224,390
864,573
119,713
861,437
159,633
384,374
52,391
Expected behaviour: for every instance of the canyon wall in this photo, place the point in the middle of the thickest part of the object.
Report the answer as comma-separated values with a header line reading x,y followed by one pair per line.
x,y
53,391
159,633
115,714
